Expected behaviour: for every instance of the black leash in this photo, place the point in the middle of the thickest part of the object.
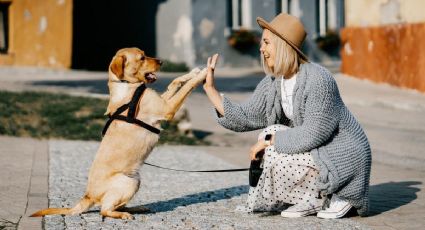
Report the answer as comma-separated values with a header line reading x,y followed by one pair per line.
x,y
203,171
131,114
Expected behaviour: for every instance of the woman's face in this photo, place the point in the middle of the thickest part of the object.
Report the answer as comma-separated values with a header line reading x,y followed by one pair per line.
x,y
268,49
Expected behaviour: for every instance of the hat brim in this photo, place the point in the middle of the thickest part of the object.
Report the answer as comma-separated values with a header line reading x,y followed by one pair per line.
x,y
265,25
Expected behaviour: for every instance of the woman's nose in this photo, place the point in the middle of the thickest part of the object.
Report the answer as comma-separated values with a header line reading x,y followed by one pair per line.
x,y
261,48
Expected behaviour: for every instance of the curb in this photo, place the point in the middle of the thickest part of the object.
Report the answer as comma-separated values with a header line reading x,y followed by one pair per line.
x,y
37,197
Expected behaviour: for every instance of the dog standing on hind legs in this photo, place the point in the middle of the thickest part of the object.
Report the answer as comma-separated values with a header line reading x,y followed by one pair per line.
x,y
114,175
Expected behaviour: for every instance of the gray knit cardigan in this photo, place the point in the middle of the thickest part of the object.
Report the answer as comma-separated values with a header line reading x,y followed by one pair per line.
x,y
322,125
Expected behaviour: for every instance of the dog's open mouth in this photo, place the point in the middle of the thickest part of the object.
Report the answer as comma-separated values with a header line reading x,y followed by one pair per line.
x,y
150,77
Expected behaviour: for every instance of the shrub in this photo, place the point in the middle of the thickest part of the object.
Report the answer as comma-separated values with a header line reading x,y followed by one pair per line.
x,y
243,39
169,66
329,42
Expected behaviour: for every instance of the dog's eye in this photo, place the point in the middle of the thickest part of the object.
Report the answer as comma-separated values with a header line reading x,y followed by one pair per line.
x,y
142,58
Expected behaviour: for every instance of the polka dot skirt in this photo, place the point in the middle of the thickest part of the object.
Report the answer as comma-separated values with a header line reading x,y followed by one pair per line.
x,y
286,179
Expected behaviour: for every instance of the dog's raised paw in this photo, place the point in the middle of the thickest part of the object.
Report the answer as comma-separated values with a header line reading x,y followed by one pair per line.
x,y
202,75
195,70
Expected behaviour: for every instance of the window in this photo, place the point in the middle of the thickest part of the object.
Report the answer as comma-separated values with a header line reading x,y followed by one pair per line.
x,y
292,7
283,6
4,27
323,17
240,14
330,15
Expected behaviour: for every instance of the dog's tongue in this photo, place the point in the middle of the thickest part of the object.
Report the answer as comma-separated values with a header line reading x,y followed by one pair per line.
x,y
152,77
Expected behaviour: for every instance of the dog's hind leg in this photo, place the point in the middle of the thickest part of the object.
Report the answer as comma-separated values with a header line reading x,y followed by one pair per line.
x,y
177,83
122,189
109,207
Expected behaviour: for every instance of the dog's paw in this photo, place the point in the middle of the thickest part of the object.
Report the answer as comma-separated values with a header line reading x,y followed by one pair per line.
x,y
195,70
201,75
127,216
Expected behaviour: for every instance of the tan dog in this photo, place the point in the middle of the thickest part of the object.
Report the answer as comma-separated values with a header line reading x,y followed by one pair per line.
x,y
114,176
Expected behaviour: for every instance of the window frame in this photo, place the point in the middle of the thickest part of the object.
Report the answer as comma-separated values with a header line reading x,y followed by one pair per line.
x,y
240,14
4,8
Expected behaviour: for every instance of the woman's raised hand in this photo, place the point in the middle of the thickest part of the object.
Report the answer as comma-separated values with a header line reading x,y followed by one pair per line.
x,y
209,86
209,81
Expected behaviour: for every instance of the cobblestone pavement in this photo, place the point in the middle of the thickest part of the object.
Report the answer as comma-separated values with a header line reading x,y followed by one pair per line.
x,y
176,200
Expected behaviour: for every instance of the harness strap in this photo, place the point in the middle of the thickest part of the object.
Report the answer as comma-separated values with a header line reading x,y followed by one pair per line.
x,y
132,105
131,114
135,121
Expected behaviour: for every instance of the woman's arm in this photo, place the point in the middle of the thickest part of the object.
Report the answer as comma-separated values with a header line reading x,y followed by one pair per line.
x,y
246,116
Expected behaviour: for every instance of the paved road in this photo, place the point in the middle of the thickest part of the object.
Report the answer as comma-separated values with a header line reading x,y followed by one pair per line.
x,y
392,118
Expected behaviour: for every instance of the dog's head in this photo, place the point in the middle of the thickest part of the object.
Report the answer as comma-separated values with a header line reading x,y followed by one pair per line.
x,y
132,65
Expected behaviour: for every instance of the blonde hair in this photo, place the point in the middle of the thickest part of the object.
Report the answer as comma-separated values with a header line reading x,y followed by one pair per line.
x,y
287,60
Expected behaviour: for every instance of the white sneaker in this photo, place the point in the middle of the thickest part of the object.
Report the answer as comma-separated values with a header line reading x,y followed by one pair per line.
x,y
337,209
301,209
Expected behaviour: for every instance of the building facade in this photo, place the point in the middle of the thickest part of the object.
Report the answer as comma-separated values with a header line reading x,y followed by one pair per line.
x,y
383,42
191,30
84,34
36,33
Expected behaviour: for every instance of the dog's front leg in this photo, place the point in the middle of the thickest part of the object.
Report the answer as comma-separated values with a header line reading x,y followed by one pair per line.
x,y
177,83
175,102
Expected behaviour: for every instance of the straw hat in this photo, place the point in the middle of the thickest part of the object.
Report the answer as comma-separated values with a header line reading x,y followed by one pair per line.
x,y
287,27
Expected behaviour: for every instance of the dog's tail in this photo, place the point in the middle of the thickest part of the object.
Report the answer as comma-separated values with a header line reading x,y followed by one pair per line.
x,y
82,206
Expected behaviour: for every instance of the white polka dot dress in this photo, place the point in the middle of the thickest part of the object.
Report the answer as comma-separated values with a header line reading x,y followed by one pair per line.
x,y
286,179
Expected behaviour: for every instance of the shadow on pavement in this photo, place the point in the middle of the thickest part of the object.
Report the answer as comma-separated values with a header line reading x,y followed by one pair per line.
x,y
387,196
197,198
227,84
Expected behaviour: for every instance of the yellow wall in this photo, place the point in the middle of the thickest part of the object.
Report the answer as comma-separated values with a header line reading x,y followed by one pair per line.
x,y
383,12
40,33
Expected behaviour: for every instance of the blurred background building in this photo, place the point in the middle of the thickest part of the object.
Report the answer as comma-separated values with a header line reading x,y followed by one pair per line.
x,y
383,41
380,39
192,30
36,33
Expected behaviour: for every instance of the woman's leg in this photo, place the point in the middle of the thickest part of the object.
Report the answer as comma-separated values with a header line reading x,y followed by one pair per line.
x,y
301,176
256,201
286,179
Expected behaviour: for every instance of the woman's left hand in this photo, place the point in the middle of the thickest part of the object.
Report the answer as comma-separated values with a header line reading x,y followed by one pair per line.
x,y
260,145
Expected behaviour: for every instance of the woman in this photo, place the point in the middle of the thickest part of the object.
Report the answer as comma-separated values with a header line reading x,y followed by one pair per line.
x,y
317,157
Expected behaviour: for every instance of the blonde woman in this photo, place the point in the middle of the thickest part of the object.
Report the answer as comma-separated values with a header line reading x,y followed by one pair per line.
x,y
317,158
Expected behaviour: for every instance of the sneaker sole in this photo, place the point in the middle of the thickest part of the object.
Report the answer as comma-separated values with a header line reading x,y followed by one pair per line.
x,y
334,215
300,214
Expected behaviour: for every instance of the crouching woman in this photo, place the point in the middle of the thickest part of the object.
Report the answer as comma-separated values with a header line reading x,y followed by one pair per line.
x,y
317,158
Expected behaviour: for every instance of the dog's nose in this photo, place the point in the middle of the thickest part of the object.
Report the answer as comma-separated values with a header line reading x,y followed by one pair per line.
x,y
159,62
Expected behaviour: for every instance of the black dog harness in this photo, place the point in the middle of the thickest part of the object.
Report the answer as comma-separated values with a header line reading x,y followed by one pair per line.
x,y
131,114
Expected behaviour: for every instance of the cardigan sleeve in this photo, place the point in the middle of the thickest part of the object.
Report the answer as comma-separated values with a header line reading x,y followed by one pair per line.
x,y
320,119
249,115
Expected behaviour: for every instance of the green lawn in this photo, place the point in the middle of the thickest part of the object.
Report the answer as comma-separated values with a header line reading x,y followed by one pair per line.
x,y
46,115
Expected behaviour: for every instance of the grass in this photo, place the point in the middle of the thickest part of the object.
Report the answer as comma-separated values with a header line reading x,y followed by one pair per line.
x,y
46,115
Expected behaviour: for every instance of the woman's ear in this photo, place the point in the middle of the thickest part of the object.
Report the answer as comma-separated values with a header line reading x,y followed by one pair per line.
x,y
117,65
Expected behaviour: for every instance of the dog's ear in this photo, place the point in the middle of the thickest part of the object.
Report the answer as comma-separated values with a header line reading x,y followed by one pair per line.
x,y
117,65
